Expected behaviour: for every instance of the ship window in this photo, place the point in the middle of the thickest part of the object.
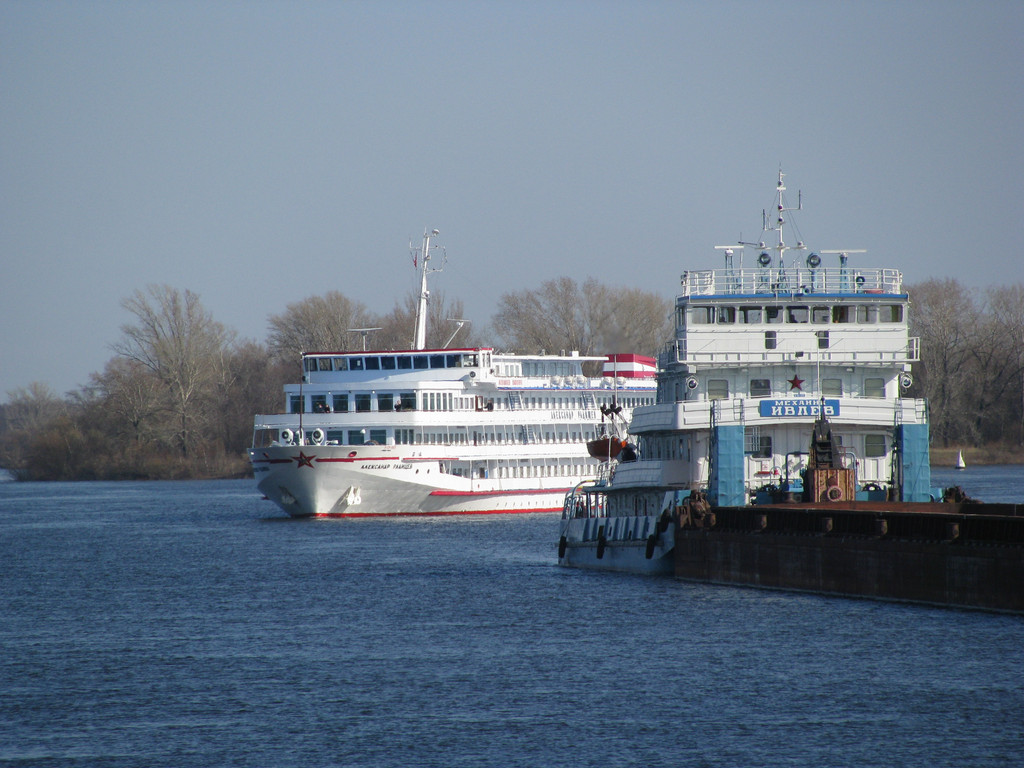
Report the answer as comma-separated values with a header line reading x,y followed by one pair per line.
x,y
757,446
437,361
832,387
319,403
773,315
820,314
718,389
874,387
760,387
822,339
405,401
295,404
404,363
341,363
680,317
796,314
356,436
770,341
702,315
419,362
385,401
363,402
867,313
874,446
387,363
355,363
727,315
340,403
454,361
750,314
842,314
890,313
324,363
373,363
378,436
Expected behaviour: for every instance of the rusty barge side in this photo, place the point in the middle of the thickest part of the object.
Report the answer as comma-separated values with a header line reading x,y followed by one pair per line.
x,y
962,555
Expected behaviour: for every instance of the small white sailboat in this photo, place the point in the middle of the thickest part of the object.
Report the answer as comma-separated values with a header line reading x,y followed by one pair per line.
x,y
960,461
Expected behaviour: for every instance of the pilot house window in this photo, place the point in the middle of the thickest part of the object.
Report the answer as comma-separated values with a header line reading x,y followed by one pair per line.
x,y
718,389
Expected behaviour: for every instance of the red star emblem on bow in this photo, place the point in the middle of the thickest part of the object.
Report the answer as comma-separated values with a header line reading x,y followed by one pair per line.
x,y
304,460
796,382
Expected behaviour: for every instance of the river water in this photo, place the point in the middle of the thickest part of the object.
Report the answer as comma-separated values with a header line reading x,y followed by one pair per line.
x,y
190,624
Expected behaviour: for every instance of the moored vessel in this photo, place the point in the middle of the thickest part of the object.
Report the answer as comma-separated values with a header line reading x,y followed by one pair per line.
x,y
441,431
786,384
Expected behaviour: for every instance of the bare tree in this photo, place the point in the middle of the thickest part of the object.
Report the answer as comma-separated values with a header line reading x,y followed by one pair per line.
x,y
179,341
594,318
398,326
550,318
1006,312
944,316
133,398
317,324
626,319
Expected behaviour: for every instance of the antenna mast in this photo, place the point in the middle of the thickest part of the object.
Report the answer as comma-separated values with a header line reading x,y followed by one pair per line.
x,y
420,338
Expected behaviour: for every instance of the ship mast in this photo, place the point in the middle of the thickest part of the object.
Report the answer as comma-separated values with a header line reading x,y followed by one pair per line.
x,y
780,221
420,337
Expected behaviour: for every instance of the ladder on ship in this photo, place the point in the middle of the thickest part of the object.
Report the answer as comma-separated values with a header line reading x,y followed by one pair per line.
x,y
527,433
589,402
515,400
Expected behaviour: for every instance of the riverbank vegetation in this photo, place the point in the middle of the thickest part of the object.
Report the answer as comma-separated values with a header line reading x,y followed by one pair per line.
x,y
177,397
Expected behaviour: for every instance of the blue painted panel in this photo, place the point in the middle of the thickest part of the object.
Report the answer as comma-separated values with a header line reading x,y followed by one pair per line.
x,y
912,440
726,487
797,406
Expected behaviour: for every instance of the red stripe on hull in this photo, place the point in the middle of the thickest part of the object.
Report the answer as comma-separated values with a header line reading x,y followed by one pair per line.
x,y
510,492
440,514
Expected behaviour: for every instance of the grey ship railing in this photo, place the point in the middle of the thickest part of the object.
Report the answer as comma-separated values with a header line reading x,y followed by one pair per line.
x,y
791,280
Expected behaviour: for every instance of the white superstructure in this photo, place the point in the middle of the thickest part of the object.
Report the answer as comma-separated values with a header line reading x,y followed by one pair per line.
x,y
440,431
759,352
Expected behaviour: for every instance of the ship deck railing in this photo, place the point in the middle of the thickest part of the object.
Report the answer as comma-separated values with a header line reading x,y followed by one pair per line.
x,y
676,352
789,281
696,414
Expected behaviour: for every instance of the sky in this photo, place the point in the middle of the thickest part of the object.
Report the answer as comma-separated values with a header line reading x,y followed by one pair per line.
x,y
259,153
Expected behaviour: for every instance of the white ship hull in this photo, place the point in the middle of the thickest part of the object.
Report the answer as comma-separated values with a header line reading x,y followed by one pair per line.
x,y
373,481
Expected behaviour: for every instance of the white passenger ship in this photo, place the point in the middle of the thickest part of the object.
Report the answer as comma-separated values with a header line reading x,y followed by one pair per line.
x,y
441,431
759,354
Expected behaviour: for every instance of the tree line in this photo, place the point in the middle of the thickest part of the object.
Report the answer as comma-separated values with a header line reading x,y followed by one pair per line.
x,y
177,398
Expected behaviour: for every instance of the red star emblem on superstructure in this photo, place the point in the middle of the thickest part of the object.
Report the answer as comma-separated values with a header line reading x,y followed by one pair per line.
x,y
796,383
304,460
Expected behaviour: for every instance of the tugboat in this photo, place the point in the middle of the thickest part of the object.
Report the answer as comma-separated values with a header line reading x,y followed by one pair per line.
x,y
785,385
